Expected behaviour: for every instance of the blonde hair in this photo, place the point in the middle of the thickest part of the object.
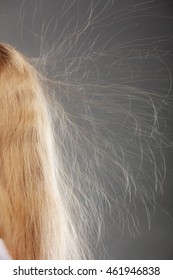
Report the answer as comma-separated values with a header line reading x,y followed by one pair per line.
x,y
33,219
63,169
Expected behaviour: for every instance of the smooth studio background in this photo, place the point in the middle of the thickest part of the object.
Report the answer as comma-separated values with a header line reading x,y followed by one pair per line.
x,y
23,24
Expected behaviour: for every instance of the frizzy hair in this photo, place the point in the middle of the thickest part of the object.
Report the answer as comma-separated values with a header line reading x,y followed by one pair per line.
x,y
73,151
33,219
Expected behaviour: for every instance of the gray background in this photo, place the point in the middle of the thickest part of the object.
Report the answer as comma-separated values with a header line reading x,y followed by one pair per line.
x,y
21,24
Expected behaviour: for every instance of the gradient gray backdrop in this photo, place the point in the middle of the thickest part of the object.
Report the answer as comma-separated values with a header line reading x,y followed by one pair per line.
x,y
20,25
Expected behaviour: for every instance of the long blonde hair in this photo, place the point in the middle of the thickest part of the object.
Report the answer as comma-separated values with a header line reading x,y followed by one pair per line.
x,y
34,222
74,150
